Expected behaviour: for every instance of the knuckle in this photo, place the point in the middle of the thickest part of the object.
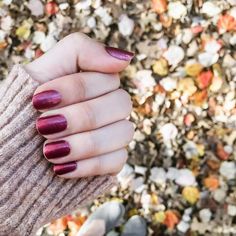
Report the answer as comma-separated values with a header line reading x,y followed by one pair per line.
x,y
81,87
92,143
97,168
90,117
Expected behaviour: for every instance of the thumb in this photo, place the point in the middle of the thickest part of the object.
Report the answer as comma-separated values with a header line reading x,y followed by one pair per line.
x,y
78,52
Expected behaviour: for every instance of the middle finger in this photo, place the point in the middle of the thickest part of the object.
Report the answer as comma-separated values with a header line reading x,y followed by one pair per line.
x,y
85,116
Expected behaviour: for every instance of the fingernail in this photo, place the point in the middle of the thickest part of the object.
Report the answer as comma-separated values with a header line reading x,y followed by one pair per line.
x,y
56,149
51,124
119,53
46,99
62,169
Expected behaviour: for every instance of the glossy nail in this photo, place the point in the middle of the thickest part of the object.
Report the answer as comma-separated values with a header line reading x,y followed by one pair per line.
x,y
119,53
65,168
51,124
46,99
56,149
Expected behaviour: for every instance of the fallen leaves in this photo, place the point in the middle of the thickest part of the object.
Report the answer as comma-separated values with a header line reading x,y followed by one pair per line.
x,y
191,194
159,6
226,23
204,79
211,182
171,219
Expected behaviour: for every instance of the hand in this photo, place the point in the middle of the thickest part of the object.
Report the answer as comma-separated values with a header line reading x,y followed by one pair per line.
x,y
83,110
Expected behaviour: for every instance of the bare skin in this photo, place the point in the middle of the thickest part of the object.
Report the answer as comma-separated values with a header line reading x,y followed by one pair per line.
x,y
83,83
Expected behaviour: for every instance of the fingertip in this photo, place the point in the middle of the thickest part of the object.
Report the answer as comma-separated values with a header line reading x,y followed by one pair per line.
x,y
119,54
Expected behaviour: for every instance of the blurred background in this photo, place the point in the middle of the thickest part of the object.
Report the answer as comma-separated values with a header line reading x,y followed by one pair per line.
x,y
181,174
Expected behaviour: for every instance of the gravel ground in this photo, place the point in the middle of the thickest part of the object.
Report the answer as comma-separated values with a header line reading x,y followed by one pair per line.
x,y
181,174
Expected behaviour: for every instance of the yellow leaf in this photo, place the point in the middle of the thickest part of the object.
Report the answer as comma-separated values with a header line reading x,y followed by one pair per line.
x,y
159,217
191,194
160,67
23,32
193,69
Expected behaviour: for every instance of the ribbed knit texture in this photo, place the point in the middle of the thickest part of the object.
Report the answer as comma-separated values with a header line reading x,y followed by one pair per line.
x,y
30,193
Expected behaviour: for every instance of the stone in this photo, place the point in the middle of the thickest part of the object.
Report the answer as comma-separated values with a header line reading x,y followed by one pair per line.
x,y
228,169
205,215
168,83
168,131
36,7
210,9
177,10
125,25
207,59
174,55
158,175
185,178
183,226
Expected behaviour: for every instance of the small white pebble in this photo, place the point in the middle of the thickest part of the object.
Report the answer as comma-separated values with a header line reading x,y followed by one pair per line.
x,y
210,9
177,10
174,55
91,22
183,226
126,25
158,175
228,169
219,195
168,131
205,215
231,210
36,7
207,59
168,83
185,178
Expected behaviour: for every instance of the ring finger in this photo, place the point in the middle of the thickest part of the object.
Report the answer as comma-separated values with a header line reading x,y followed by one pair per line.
x,y
88,144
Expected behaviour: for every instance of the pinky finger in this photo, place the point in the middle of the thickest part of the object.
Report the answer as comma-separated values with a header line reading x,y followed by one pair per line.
x,y
110,163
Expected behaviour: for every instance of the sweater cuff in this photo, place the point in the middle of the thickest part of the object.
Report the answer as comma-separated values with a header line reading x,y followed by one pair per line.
x,y
30,193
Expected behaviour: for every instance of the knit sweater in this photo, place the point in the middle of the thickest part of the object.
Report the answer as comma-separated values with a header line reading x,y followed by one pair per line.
x,y
30,193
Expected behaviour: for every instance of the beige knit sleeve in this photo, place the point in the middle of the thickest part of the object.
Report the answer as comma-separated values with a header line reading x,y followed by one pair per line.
x,y
30,194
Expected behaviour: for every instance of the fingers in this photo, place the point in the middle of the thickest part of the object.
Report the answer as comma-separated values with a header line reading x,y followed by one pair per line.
x,y
82,86
88,144
110,163
78,52
85,116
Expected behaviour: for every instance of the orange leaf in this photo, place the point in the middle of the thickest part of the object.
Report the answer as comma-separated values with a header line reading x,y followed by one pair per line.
x,y
159,6
189,119
221,153
58,226
204,79
51,8
171,219
226,23
199,97
211,182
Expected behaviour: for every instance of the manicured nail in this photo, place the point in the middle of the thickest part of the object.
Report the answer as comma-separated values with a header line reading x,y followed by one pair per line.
x,y
119,53
46,99
61,169
56,149
51,124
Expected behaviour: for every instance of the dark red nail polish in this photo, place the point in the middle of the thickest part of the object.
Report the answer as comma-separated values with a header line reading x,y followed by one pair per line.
x,y
56,149
51,124
46,99
119,53
61,169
